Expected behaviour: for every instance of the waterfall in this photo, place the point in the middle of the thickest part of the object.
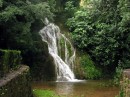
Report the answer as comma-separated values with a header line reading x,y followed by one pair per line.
x,y
61,49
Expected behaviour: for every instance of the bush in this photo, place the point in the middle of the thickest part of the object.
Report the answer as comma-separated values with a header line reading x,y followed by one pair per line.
x,y
103,32
9,59
118,74
91,72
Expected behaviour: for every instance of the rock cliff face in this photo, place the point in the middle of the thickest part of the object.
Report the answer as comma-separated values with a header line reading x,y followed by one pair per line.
x,y
16,83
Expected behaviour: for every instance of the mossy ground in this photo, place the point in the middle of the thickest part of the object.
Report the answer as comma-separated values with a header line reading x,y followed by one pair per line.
x,y
44,93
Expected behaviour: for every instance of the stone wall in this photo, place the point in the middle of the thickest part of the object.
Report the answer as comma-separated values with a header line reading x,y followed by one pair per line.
x,y
9,60
125,84
16,83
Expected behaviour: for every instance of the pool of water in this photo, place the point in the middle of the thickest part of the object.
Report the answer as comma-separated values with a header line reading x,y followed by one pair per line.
x,y
90,88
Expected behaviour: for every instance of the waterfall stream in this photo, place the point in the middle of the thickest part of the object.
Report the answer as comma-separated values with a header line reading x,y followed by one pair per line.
x,y
61,49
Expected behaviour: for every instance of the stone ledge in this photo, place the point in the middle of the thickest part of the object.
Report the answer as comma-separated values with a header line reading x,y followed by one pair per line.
x,y
12,74
16,83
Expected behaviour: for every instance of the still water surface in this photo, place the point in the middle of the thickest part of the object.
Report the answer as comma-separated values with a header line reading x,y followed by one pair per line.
x,y
80,88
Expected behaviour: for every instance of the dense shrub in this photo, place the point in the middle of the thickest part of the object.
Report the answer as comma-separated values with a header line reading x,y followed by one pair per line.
x,y
102,31
91,72
9,59
20,22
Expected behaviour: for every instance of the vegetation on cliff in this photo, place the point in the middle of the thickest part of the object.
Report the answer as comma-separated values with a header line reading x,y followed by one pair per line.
x,y
9,60
100,28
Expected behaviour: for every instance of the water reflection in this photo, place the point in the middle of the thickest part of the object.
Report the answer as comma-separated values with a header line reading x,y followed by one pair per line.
x,y
80,89
64,88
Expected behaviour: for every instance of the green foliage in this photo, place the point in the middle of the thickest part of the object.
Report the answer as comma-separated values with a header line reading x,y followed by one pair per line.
x,y
1,3
44,93
91,72
41,11
118,76
121,94
62,3
9,59
102,31
61,51
79,26
20,22
16,20
9,13
70,8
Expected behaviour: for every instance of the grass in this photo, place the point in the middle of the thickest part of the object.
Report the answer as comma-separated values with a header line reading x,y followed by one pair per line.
x,y
44,93
47,93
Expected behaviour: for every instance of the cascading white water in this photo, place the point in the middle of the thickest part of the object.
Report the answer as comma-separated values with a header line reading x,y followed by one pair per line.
x,y
59,45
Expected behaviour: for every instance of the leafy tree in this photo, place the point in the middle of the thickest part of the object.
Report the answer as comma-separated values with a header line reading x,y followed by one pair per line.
x,y
102,31
70,9
124,7
90,70
20,21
